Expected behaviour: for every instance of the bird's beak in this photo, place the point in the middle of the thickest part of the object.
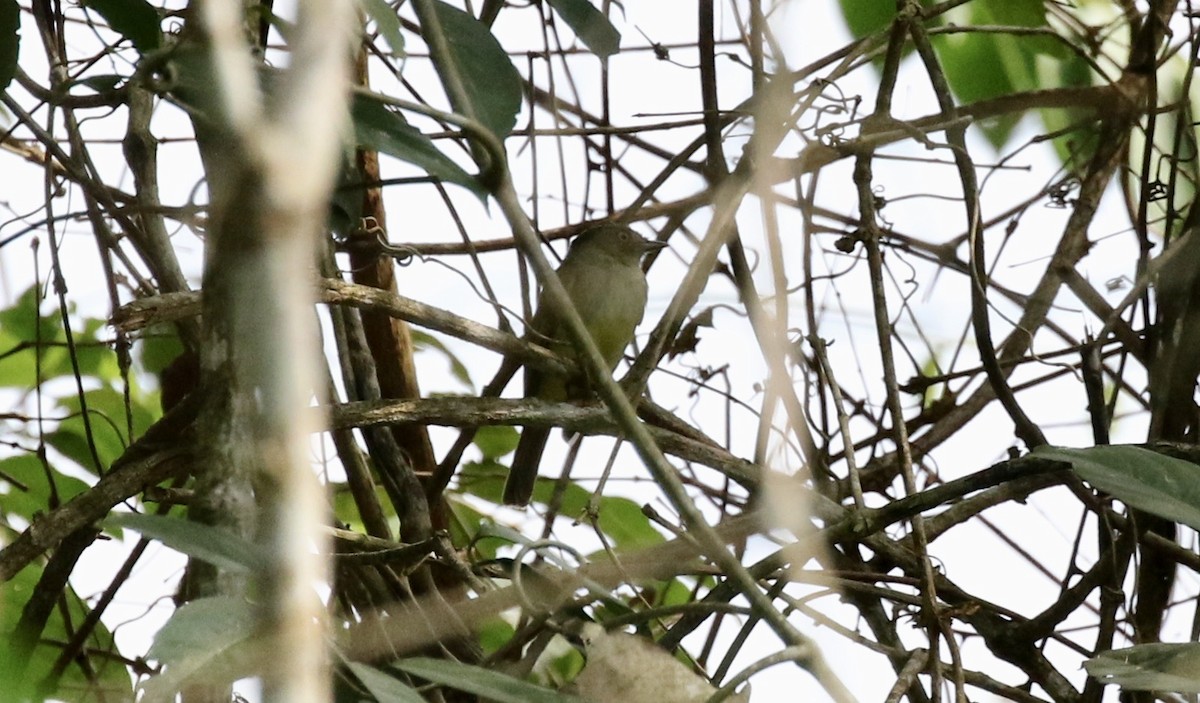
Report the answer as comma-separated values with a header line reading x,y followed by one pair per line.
x,y
652,245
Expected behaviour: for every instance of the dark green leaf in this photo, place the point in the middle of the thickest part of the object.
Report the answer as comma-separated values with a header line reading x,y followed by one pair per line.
x,y
866,17
1150,667
482,682
136,20
212,544
10,40
475,60
976,70
590,25
380,129
1139,478
388,22
159,347
384,687
983,66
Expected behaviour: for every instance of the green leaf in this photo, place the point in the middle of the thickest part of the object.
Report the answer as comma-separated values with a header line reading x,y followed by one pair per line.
x,y
94,357
866,17
159,346
215,545
458,369
384,687
975,68
494,634
380,129
388,22
21,327
475,60
984,66
34,495
106,413
482,682
590,25
210,638
495,441
1139,478
107,678
464,526
1150,667
484,479
623,521
10,40
136,20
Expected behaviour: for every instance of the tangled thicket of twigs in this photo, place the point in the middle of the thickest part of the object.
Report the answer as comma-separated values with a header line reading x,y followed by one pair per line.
x,y
896,264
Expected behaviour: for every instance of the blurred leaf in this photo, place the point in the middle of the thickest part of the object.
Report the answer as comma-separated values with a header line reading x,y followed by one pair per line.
x,y
21,327
158,348
108,679
465,525
481,682
213,544
619,518
1150,667
623,521
866,17
982,66
95,358
476,60
384,687
21,319
106,412
1139,478
10,40
207,636
504,533
494,634
483,478
346,510
565,667
495,441
674,592
386,131
975,68
136,20
388,21
458,369
35,497
590,25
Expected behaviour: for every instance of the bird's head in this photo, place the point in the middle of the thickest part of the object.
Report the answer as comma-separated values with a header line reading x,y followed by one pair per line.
x,y
616,241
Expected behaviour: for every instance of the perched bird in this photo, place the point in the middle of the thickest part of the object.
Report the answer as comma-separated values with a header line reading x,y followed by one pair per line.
x,y
603,276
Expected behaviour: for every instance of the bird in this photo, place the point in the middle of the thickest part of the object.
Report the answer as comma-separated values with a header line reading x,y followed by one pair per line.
x,y
603,276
